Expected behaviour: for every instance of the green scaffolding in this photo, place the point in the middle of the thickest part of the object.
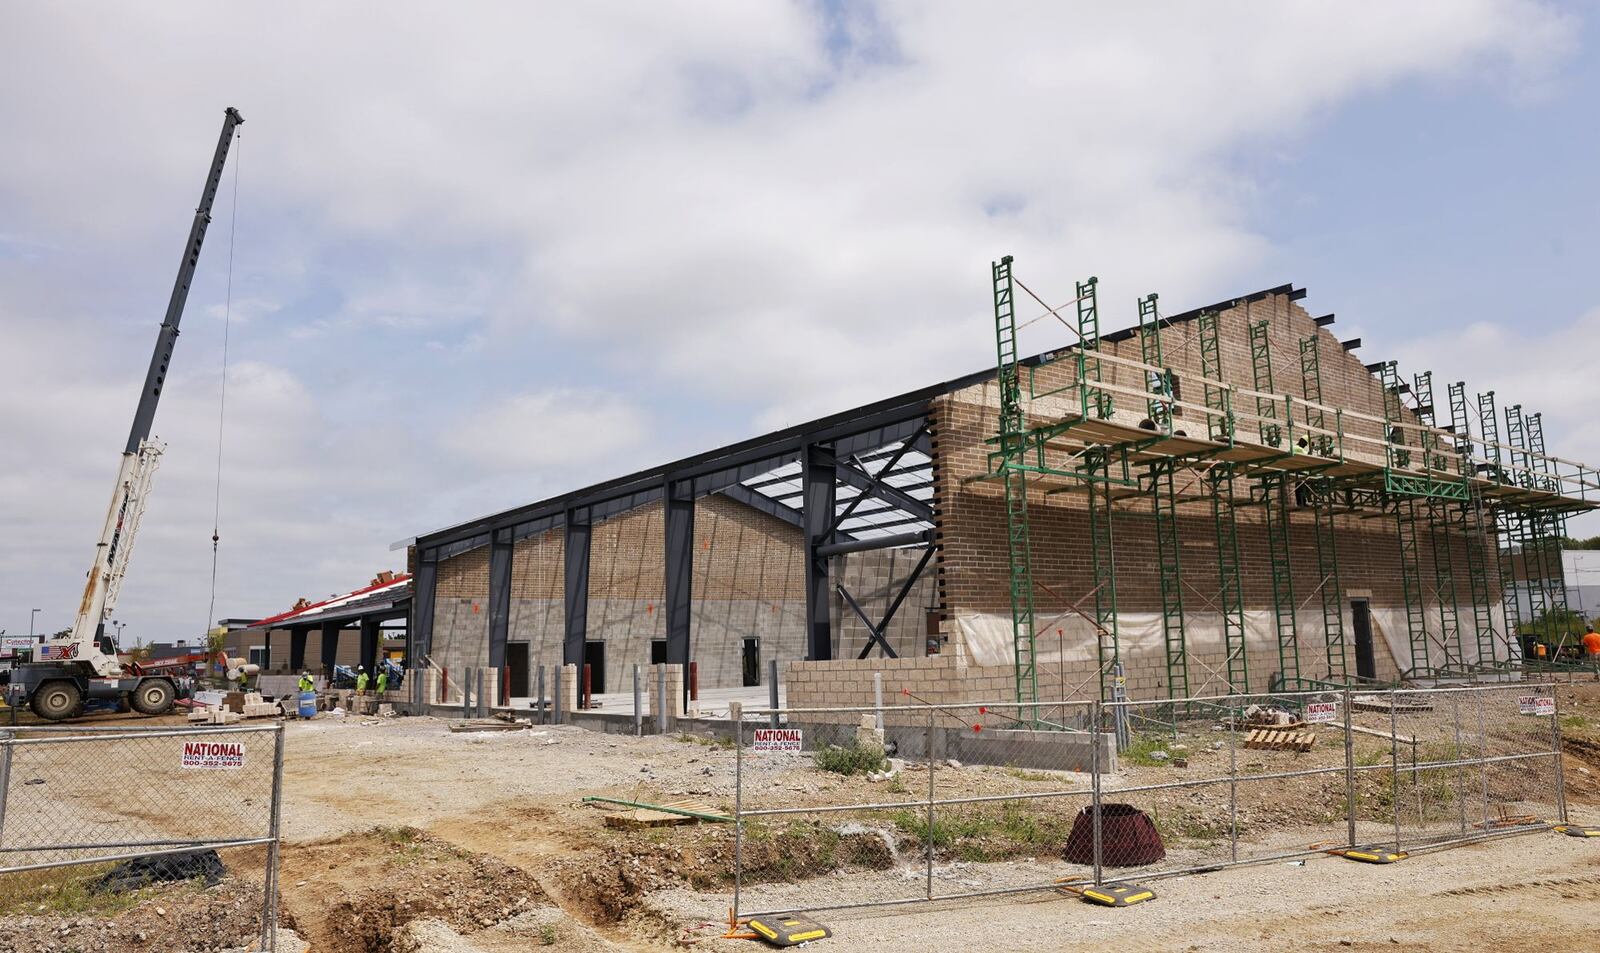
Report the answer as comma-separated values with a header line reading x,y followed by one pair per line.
x,y
1224,517
1164,503
1472,525
1324,528
1276,489
1013,446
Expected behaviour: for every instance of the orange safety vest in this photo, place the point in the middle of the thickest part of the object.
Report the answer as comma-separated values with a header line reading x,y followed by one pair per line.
x,y
1539,650
1591,643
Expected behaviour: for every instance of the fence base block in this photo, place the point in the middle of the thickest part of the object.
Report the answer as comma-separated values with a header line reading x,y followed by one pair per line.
x,y
1371,855
789,929
1577,830
1125,895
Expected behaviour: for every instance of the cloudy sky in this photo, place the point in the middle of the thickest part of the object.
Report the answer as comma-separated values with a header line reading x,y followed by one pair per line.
x,y
489,252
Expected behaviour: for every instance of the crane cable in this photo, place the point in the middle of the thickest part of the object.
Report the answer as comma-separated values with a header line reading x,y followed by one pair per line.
x,y
222,401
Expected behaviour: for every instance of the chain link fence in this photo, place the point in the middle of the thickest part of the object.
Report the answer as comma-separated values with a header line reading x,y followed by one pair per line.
x,y
136,835
940,802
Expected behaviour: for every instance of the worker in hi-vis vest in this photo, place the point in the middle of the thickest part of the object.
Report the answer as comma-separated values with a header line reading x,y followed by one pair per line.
x,y
383,681
306,684
361,680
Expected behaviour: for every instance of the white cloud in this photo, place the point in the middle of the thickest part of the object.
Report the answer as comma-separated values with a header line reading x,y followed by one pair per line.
x,y
550,429
708,201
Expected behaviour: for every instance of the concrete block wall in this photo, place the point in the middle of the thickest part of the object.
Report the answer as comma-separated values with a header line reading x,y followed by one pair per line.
x,y
748,582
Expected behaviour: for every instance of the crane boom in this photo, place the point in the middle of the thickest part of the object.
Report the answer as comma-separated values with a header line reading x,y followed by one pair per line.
x,y
85,652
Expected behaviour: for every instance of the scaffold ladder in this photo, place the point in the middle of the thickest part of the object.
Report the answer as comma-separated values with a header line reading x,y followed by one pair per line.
x,y
1219,423
1275,500
1095,401
1471,521
1405,511
1103,564
1230,591
1505,518
1168,545
1018,544
1158,381
1323,523
1444,583
1328,586
1320,444
1261,364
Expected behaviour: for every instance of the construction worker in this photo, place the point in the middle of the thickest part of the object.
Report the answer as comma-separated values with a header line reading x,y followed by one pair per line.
x,y
306,684
383,680
361,680
1591,644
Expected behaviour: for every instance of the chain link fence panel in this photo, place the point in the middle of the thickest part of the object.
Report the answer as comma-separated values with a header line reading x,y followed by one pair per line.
x,y
940,802
94,822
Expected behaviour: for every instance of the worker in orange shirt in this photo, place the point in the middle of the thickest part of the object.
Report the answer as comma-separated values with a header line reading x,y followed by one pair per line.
x,y
1591,644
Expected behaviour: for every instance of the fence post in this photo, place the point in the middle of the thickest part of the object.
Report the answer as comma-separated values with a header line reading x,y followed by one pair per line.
x,y
1095,744
539,702
1233,784
1555,741
269,903
638,713
736,712
1349,768
6,738
484,703
1461,784
1483,759
772,689
466,693
877,698
1394,762
928,837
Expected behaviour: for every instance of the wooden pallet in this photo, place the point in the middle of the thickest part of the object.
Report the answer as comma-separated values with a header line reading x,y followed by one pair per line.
x,y
645,817
1279,739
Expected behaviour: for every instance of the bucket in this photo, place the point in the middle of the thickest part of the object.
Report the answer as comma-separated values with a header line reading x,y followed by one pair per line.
x,y
308,704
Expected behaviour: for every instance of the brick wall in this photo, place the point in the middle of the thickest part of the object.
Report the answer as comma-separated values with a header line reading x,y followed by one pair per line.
x,y
971,526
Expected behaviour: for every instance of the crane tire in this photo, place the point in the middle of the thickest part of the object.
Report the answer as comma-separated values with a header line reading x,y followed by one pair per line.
x,y
56,700
153,696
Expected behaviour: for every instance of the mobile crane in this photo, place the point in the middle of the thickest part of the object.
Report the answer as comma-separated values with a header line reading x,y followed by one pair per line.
x,y
83,663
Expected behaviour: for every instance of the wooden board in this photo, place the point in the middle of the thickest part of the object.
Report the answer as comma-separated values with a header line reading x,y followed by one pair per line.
x,y
645,817
1278,739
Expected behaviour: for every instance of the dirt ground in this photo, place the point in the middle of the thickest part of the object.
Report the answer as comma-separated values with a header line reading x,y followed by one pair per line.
x,y
402,837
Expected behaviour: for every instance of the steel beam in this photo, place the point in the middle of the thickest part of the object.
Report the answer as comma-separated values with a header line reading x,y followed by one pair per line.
x,y
576,588
875,542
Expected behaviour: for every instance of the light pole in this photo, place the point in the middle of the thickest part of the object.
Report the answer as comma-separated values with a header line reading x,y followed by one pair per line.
x,y
119,626
30,621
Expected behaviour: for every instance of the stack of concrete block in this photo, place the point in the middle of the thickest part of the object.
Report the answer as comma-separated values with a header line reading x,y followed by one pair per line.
x,y
217,716
257,707
674,700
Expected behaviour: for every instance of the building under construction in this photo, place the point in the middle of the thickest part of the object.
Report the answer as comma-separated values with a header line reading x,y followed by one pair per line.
x,y
1216,501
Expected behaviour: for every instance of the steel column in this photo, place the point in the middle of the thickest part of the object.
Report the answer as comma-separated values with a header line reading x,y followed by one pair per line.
x,y
369,644
819,494
297,649
678,499
576,588
419,628
330,648
500,550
